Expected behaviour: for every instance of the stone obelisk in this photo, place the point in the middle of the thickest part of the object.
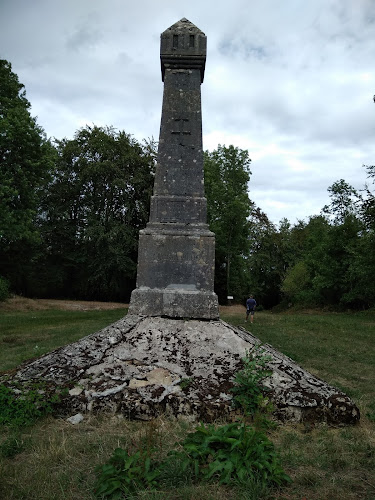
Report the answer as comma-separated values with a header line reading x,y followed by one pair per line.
x,y
176,252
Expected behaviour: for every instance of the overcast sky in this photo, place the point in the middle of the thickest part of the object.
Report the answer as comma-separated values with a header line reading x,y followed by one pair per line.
x,y
291,81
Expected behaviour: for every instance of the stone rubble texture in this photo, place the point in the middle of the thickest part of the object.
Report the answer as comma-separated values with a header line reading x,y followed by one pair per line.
x,y
142,367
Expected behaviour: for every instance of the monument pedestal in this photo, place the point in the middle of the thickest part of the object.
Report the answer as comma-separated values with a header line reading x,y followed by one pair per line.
x,y
178,301
175,272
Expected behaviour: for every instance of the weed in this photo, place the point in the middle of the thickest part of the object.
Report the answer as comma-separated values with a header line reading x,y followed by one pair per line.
x,y
232,454
125,474
12,446
248,389
23,407
371,413
185,383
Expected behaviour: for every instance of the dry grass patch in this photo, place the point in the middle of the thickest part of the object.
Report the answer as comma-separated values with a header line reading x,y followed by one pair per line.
x,y
59,459
24,304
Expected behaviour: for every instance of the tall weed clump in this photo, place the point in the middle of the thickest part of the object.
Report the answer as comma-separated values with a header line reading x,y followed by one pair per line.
x,y
249,391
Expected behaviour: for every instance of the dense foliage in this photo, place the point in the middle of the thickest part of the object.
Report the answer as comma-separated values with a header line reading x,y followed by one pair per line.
x,y
70,213
26,161
91,214
22,407
227,174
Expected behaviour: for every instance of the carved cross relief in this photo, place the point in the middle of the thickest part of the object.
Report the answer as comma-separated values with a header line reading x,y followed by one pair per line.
x,y
182,131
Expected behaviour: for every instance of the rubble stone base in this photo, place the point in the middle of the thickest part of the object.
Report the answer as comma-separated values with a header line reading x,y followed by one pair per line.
x,y
145,366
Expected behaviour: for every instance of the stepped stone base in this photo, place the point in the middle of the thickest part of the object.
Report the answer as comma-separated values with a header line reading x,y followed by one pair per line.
x,y
176,301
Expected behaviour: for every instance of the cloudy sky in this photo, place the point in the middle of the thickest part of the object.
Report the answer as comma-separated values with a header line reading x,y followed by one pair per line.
x,y
290,81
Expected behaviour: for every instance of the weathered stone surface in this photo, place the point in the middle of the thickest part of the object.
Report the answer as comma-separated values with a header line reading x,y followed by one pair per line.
x,y
176,255
143,366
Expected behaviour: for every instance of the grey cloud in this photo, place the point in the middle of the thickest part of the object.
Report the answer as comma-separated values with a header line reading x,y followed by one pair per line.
x,y
292,82
82,38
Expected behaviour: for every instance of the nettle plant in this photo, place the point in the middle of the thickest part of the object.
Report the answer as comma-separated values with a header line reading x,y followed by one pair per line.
x,y
248,391
231,454
234,454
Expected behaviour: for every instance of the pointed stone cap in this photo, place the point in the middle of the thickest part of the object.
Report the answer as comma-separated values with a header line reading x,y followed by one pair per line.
x,y
183,46
182,26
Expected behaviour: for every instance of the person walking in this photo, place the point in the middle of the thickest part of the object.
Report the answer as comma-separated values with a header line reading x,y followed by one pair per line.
x,y
250,308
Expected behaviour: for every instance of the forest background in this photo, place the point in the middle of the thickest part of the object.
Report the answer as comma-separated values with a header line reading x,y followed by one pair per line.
x,y
71,210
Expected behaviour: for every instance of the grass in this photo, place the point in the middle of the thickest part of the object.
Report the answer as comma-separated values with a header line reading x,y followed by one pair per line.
x,y
28,334
56,460
337,347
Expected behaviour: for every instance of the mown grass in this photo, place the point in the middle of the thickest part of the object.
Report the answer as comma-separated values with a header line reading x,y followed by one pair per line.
x,y
55,460
326,463
337,347
27,334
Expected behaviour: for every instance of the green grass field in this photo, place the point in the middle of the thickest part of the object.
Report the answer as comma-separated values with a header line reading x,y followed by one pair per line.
x,y
28,334
55,460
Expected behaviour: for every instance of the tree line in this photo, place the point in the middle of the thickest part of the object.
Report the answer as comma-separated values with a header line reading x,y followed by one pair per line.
x,y
71,210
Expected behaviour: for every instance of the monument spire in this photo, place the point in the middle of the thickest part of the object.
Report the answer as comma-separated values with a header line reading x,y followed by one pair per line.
x,y
176,255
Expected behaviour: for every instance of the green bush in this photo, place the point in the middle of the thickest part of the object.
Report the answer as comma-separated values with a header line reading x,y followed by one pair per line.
x,y
4,289
231,454
234,454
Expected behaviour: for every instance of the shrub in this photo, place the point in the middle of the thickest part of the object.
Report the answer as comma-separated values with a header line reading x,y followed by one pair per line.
x,y
233,453
124,474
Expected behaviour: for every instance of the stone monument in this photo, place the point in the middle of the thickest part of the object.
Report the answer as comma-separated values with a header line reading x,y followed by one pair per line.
x,y
176,255
139,365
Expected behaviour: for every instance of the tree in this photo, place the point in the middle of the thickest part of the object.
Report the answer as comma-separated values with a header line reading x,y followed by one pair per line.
x,y
227,173
26,160
268,258
297,283
344,201
368,203
95,205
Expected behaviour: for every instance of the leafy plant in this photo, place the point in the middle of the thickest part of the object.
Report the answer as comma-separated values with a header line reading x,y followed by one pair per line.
x,y
23,407
248,389
125,474
232,453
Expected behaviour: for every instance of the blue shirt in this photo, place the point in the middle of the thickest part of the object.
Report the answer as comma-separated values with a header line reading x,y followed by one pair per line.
x,y
250,304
